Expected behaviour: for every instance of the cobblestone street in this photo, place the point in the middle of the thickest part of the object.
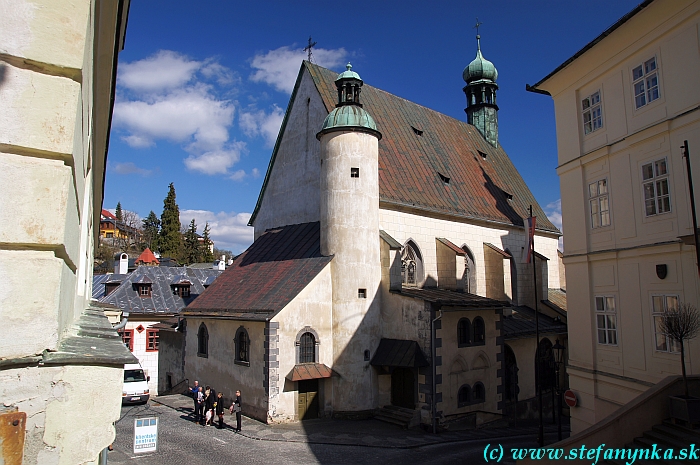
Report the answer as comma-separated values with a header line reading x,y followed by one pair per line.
x,y
181,441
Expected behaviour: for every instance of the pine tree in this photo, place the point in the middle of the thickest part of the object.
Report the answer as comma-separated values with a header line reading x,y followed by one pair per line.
x,y
151,229
118,211
191,252
206,254
170,239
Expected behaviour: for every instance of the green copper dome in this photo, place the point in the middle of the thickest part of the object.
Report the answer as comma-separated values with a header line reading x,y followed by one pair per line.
x,y
348,74
349,116
480,68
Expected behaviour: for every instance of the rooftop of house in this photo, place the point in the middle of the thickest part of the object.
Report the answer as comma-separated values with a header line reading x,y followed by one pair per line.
x,y
432,163
162,299
522,324
146,257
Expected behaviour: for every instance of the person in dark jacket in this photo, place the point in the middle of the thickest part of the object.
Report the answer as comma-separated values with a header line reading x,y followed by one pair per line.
x,y
220,409
236,407
199,413
209,401
193,392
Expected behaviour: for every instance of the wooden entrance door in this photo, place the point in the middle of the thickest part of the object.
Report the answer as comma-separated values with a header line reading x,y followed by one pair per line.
x,y
403,388
308,399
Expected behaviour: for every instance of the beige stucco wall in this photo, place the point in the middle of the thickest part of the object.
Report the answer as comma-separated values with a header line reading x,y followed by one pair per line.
x,y
310,309
620,260
423,230
296,172
52,144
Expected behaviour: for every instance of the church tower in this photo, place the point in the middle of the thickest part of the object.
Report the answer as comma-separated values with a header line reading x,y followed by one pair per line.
x,y
482,111
349,201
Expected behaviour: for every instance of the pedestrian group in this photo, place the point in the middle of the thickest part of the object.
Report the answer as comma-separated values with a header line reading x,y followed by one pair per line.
x,y
208,403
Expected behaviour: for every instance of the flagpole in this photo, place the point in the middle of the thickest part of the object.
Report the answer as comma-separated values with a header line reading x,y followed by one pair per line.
x,y
538,373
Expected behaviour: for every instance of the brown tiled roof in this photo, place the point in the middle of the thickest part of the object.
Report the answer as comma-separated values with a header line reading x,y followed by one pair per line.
x,y
482,177
304,371
450,298
557,297
502,252
452,246
266,277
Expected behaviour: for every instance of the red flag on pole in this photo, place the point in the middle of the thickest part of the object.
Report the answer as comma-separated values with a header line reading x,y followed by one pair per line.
x,y
530,237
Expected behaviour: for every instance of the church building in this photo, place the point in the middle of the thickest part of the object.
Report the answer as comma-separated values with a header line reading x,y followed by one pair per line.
x,y
389,262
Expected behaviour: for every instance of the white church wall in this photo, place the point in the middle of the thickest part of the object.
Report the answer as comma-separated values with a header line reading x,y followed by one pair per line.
x,y
310,308
423,230
292,191
147,359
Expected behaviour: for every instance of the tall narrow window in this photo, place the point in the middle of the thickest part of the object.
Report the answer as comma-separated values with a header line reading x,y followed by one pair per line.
x,y
463,333
657,199
478,393
479,331
464,396
307,349
646,83
606,320
128,338
411,266
592,113
600,206
152,340
242,346
661,304
203,341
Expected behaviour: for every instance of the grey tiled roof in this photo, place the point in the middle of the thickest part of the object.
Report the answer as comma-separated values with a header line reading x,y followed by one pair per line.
x,y
99,280
162,300
522,324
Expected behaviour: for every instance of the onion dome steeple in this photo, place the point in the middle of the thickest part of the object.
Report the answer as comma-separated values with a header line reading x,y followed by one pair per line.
x,y
482,111
348,113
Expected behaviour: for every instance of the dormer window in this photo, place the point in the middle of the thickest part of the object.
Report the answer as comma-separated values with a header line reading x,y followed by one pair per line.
x,y
144,290
182,289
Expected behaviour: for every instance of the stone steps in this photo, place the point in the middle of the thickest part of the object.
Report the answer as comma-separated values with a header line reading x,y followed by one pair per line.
x,y
667,435
406,418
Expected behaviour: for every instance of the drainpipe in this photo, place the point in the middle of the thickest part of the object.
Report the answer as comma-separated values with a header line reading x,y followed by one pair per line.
x,y
122,324
434,356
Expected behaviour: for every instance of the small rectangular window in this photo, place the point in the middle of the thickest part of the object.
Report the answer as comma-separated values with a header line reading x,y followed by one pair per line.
x,y
592,113
362,293
128,338
657,199
645,82
354,172
152,340
606,320
599,203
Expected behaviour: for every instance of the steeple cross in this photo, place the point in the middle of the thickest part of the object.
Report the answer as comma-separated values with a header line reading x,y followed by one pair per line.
x,y
477,26
308,48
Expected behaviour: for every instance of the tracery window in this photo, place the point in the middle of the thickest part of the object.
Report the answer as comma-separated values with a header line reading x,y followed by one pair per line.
x,y
411,266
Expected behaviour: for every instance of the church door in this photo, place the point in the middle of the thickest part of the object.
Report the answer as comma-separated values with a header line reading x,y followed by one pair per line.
x,y
403,388
308,399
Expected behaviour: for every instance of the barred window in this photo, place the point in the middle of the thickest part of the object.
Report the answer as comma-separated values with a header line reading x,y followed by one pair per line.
x,y
307,349
242,345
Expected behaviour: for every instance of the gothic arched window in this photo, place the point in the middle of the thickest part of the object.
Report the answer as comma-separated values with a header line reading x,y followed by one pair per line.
x,y
478,393
469,271
307,348
411,265
203,341
464,333
464,396
479,332
242,346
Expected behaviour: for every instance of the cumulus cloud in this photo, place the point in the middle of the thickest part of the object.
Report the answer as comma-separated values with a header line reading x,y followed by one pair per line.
x,y
229,230
553,212
259,123
280,67
129,168
171,97
240,175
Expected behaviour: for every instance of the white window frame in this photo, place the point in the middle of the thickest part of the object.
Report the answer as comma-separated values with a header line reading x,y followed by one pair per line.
x,y
592,112
656,187
645,83
660,304
606,320
599,203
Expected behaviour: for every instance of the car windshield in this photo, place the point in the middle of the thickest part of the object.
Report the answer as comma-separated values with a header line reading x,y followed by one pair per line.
x,y
134,375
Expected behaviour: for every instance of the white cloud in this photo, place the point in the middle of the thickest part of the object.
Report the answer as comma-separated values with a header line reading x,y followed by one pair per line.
x,y
229,230
258,123
170,97
129,168
280,67
255,173
238,175
553,212
164,70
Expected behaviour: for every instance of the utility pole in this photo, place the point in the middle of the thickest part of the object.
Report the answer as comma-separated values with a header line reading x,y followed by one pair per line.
x,y
686,155
538,362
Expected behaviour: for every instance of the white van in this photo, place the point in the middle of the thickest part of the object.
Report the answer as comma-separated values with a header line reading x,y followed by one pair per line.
x,y
135,388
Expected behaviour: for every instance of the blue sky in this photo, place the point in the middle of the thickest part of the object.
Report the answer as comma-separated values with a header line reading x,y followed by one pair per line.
x,y
202,87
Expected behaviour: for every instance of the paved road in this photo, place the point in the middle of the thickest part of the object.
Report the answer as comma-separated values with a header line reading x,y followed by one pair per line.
x,y
183,442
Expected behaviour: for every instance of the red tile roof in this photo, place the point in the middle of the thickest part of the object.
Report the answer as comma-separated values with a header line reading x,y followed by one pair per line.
x,y
483,183
146,257
108,214
267,276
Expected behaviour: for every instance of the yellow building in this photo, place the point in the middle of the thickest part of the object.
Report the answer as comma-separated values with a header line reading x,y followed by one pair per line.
x,y
624,105
57,350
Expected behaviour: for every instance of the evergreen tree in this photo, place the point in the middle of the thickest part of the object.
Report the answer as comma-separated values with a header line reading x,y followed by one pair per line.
x,y
206,254
151,229
191,251
170,239
118,212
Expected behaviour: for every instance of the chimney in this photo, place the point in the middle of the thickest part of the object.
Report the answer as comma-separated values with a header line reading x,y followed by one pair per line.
x,y
121,263
222,263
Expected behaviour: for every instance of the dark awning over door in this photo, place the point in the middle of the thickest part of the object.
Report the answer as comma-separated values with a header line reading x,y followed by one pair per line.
x,y
304,371
399,353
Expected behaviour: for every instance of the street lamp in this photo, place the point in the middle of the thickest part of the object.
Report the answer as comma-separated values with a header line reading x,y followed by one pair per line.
x,y
558,350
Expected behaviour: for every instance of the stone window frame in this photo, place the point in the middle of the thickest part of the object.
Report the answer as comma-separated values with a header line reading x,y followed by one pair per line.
x,y
599,203
203,341
297,344
469,270
238,360
417,258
